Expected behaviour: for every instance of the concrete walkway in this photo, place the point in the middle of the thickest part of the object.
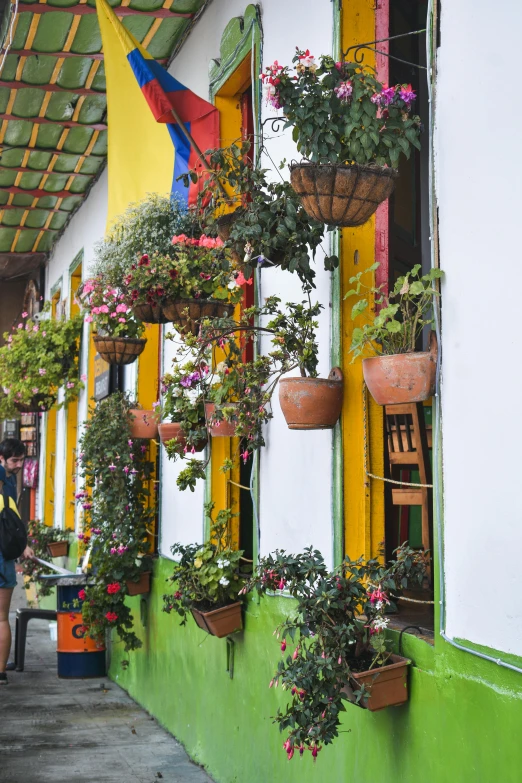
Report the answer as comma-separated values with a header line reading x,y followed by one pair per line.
x,y
83,731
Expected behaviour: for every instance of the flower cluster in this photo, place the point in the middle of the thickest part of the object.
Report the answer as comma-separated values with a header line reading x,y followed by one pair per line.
x,y
341,113
104,306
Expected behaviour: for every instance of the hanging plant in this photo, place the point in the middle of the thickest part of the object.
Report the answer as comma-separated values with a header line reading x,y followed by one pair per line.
x,y
41,539
119,514
262,221
351,129
39,357
182,411
338,634
399,373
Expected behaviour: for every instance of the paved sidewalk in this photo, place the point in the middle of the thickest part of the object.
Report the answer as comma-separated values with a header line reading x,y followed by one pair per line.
x,y
82,731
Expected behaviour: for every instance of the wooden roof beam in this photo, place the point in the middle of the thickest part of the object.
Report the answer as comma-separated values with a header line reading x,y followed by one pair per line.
x,y
27,170
95,56
52,150
50,88
82,10
99,126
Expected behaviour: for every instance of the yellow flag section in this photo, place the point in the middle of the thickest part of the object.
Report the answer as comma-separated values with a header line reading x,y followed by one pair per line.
x,y
140,150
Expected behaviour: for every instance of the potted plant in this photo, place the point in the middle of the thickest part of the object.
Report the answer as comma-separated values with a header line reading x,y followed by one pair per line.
x,y
267,225
399,373
207,581
410,573
39,357
338,634
351,129
143,423
40,538
118,339
182,429
118,516
185,286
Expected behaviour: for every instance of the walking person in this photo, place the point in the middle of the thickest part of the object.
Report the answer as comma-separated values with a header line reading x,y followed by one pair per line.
x,y
12,455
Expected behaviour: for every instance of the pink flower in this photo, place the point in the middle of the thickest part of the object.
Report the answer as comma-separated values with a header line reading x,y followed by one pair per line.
x,y
121,320
281,585
20,326
112,466
179,238
296,654
70,385
240,280
283,645
104,309
96,310
24,314
42,371
121,308
406,94
36,328
82,595
34,390
88,319
83,377
344,91
113,550
307,59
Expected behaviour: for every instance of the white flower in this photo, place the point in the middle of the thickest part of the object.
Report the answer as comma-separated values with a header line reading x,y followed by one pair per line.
x,y
381,623
224,581
378,605
232,285
225,563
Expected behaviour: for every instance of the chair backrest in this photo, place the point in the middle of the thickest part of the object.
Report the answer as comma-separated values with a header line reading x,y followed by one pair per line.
x,y
407,439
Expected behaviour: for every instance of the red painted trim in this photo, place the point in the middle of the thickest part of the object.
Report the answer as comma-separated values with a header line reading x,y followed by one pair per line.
x,y
382,238
51,88
83,10
63,123
41,193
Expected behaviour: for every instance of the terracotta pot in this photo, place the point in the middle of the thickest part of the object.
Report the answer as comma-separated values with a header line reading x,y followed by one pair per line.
x,y
341,195
186,314
312,403
58,548
142,424
416,596
149,314
37,404
140,587
219,429
388,685
173,431
220,622
119,350
402,377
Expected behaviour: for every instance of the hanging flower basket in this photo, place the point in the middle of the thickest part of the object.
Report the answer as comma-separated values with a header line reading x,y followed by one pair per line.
x,y
186,314
58,548
387,685
140,587
40,403
149,314
220,622
312,403
119,350
342,195
143,424
402,377
219,428
173,431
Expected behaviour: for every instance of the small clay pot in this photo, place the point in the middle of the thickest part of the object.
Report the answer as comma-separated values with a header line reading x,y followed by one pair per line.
x,y
342,195
173,431
388,685
142,424
119,350
220,622
58,548
140,587
312,403
219,429
186,314
402,377
149,314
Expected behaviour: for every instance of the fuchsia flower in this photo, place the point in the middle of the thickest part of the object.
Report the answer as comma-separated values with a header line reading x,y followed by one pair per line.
x,y
344,91
283,645
406,94
112,466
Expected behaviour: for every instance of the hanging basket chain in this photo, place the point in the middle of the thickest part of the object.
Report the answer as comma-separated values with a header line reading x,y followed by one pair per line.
x,y
366,465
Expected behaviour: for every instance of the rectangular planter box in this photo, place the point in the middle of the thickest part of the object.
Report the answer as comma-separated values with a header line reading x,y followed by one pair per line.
x,y
58,548
140,587
388,686
220,622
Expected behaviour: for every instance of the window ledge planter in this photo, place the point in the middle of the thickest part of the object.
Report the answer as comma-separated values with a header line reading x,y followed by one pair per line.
x,y
140,587
387,685
220,622
402,377
119,350
342,195
172,431
143,424
58,548
312,403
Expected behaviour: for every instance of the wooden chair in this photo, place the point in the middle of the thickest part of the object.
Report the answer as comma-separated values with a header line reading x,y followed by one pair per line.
x,y
408,449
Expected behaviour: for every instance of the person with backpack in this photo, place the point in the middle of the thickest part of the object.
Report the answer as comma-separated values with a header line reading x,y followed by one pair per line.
x,y
13,539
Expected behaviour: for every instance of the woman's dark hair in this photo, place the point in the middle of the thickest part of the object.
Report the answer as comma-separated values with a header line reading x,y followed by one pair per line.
x,y
12,447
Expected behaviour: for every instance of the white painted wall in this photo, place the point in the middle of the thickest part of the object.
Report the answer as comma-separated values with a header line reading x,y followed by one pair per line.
x,y
479,192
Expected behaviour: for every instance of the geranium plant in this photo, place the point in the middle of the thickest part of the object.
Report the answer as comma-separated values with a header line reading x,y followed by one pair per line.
x,y
397,318
340,113
39,357
206,576
119,513
337,628
105,308
268,225
197,268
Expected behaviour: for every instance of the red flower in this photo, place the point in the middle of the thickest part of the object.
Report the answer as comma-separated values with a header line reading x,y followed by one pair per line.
x,y
173,273
82,595
160,291
113,588
177,594
144,260
111,617
134,295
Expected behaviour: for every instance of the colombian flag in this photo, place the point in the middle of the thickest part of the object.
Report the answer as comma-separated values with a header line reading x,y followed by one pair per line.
x,y
133,142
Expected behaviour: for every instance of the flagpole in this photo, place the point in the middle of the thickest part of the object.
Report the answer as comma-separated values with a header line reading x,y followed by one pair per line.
x,y
197,150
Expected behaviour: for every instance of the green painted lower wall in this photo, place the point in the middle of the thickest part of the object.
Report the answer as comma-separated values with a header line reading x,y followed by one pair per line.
x,y
461,725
